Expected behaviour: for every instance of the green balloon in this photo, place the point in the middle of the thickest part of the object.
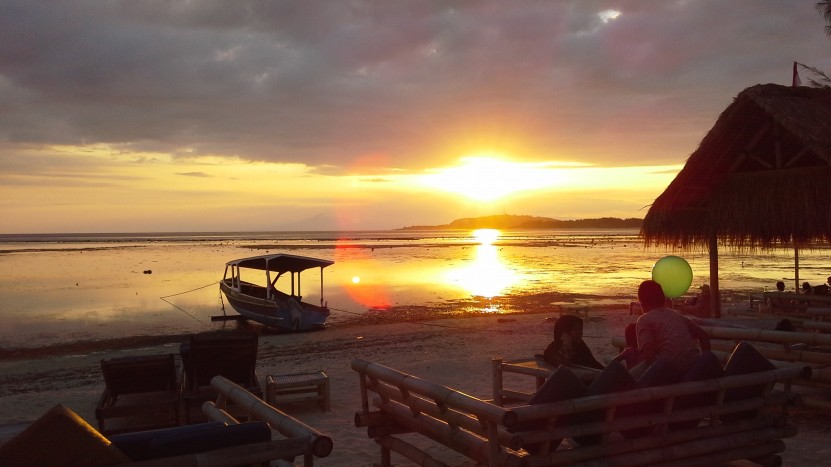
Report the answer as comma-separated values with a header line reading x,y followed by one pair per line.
x,y
674,274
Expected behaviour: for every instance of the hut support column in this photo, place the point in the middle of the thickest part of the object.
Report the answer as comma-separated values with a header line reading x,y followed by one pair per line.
x,y
715,294
796,285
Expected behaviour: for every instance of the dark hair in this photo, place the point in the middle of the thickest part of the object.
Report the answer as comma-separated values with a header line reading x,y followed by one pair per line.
x,y
566,324
651,295
780,285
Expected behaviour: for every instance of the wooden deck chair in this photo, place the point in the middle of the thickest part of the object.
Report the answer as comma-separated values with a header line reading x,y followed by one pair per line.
x,y
232,355
141,393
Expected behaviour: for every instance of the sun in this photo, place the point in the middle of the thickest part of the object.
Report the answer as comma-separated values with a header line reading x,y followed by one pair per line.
x,y
488,177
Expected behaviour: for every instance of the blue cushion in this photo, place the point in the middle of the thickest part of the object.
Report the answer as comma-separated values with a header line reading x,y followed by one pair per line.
x,y
189,439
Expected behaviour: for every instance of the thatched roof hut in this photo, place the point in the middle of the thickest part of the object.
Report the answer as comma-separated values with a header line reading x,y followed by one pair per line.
x,y
760,178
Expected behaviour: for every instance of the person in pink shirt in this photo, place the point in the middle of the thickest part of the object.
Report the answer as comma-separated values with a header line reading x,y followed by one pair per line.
x,y
668,342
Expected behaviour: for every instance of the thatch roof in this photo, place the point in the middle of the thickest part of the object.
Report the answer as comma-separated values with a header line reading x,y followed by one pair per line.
x,y
761,177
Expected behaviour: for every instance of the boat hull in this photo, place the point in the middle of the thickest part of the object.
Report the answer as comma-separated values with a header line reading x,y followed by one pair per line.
x,y
275,313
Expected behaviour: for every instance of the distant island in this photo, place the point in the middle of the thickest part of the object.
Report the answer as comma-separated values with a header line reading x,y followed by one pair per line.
x,y
507,221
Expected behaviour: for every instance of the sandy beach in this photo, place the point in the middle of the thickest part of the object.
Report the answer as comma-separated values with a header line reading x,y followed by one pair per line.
x,y
452,352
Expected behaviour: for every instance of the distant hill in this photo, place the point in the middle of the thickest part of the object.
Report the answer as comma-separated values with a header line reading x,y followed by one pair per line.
x,y
507,221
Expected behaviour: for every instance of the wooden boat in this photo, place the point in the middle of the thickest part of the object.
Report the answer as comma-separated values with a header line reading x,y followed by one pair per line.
x,y
250,285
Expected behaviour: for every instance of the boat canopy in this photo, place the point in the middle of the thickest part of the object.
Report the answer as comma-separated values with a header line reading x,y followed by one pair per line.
x,y
280,263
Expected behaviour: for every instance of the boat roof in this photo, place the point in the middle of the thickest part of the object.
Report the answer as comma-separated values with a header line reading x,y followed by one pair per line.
x,y
281,263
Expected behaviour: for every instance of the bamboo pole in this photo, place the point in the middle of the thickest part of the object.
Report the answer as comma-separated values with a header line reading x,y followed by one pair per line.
x,y
573,430
259,410
816,325
793,355
756,443
496,372
462,441
440,394
409,451
453,417
582,453
218,415
781,337
584,404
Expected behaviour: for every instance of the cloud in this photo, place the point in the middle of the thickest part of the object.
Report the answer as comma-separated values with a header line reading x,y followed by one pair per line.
x,y
194,174
407,85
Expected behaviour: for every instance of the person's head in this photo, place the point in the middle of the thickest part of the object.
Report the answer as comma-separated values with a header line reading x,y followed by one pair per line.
x,y
568,324
651,295
806,287
631,335
829,280
705,288
780,286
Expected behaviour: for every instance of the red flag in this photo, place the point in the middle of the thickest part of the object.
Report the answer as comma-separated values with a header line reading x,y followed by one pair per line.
x,y
796,80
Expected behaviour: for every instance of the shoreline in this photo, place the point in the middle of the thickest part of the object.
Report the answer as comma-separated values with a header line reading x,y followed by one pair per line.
x,y
506,306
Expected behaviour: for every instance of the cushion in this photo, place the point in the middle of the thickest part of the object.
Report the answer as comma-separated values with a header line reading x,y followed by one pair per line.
x,y
60,438
561,385
190,439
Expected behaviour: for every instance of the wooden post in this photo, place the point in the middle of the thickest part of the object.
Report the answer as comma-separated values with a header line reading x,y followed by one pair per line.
x,y
715,294
796,285
496,366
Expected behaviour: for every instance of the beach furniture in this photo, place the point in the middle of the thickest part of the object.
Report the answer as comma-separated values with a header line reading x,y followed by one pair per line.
x,y
734,416
141,392
265,436
229,354
784,348
537,368
298,387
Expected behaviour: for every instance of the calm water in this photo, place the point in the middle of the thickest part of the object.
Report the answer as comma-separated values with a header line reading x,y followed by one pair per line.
x,y
62,288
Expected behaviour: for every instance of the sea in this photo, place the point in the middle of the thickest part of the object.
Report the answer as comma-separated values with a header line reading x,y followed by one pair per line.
x,y
63,288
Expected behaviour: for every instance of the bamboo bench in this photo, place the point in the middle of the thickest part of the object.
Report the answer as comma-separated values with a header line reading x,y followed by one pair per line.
x,y
782,348
396,406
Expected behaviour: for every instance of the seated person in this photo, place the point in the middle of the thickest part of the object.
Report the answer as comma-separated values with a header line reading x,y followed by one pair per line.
x,y
777,303
821,289
568,347
629,356
668,342
699,305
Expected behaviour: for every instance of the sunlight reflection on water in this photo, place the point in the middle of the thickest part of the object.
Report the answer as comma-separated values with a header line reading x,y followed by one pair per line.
x,y
58,291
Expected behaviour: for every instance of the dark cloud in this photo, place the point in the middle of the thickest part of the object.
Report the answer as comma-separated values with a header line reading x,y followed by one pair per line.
x,y
394,84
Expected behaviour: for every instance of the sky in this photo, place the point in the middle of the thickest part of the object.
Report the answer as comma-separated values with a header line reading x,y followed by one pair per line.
x,y
175,116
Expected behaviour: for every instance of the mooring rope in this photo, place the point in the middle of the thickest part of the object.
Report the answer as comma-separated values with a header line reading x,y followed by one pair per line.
x,y
164,298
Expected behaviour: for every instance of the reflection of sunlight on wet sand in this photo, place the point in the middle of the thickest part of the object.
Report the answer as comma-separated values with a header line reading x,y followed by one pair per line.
x,y
487,276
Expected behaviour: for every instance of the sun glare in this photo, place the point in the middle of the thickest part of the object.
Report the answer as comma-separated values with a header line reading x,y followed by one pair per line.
x,y
486,236
489,178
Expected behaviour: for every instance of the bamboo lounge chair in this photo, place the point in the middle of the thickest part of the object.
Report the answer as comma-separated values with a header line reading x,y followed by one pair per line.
x,y
141,393
232,355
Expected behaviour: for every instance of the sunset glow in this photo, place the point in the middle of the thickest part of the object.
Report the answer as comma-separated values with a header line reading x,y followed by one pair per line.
x,y
488,178
563,109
